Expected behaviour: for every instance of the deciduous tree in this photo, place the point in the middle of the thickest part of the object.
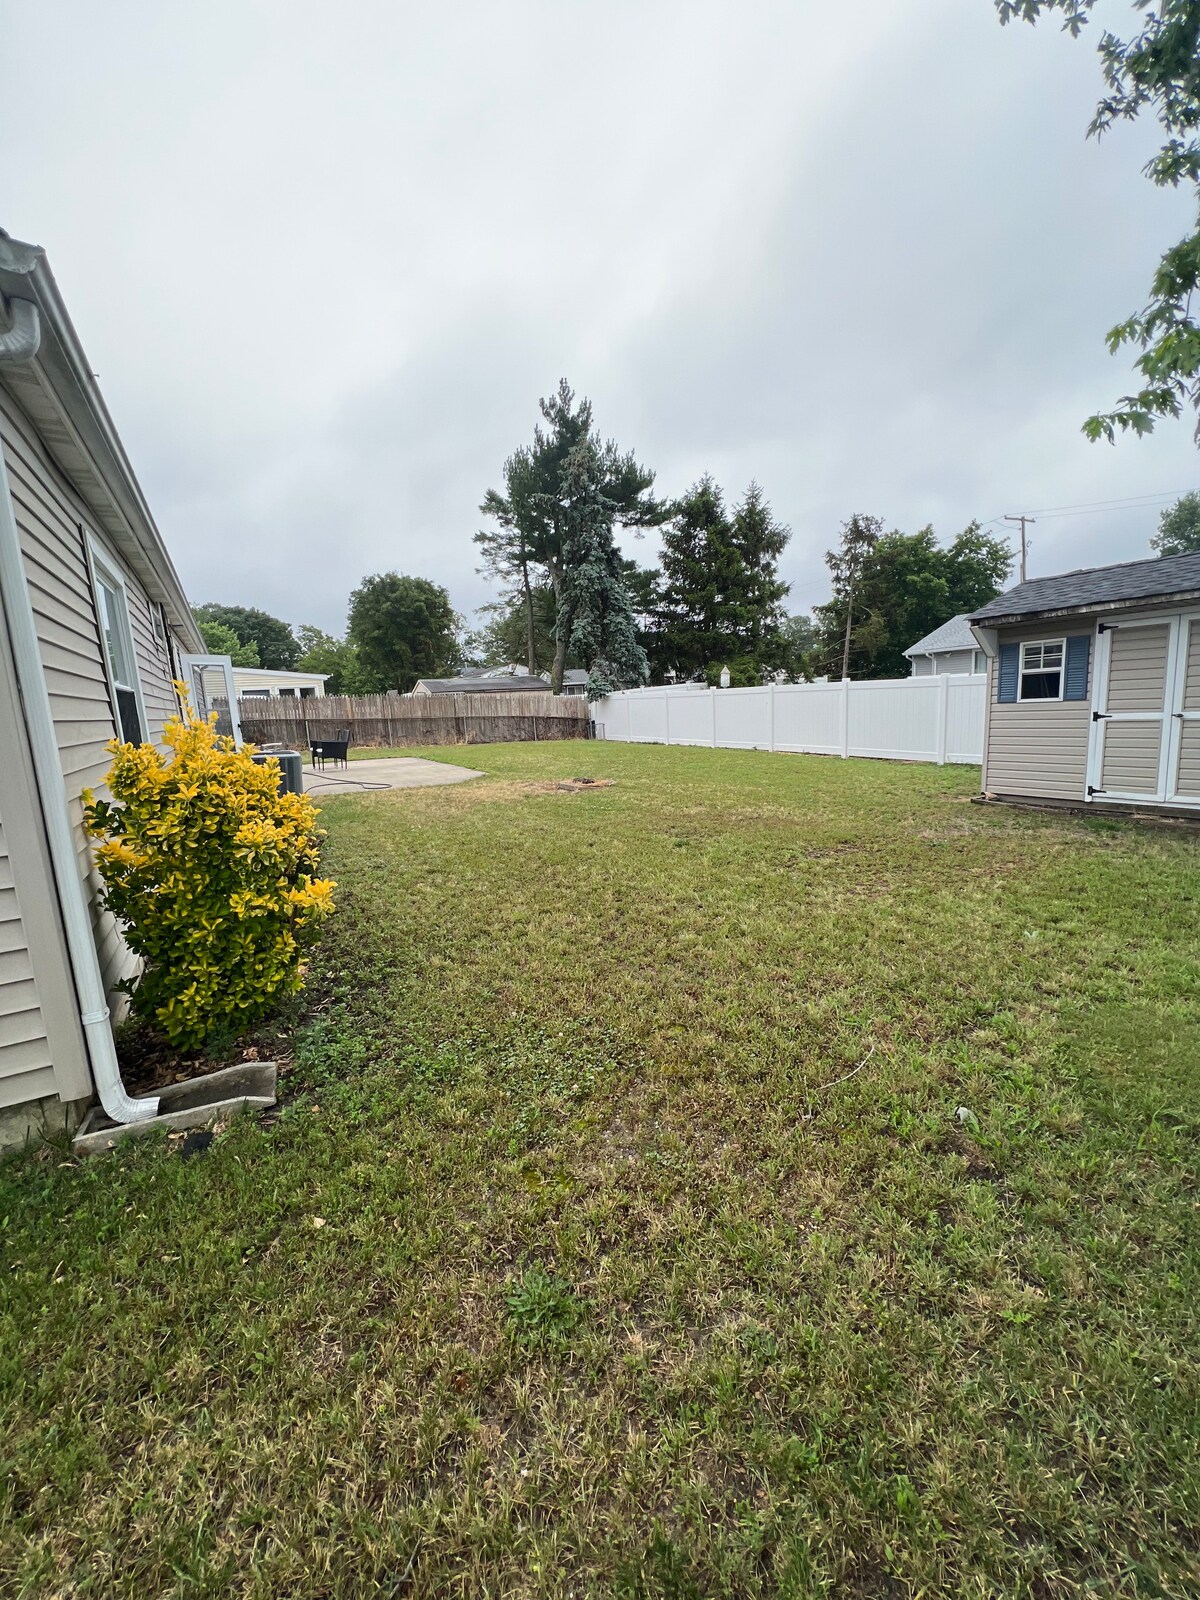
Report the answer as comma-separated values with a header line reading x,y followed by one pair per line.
x,y
222,641
403,629
337,659
1179,527
890,589
1158,70
277,647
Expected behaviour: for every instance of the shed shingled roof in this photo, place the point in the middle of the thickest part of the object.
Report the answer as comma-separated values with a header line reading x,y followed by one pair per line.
x,y
1161,578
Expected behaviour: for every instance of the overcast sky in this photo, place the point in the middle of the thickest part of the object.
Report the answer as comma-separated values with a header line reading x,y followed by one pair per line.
x,y
326,258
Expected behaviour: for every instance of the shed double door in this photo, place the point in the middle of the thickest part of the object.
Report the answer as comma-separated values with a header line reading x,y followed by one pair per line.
x,y
1146,711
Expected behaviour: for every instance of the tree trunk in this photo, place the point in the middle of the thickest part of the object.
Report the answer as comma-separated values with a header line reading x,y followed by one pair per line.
x,y
562,635
562,628
530,643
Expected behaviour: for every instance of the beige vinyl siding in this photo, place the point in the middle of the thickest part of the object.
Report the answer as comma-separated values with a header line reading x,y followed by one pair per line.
x,y
1131,754
1191,682
26,1068
41,1042
1038,748
1137,669
53,526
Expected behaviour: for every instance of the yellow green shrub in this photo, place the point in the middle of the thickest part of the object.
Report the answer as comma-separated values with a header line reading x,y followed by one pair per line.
x,y
213,873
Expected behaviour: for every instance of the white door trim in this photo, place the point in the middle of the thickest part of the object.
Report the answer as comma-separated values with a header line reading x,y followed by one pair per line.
x,y
1171,716
1179,718
224,665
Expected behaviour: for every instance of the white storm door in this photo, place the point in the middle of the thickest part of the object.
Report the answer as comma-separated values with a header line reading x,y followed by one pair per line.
x,y
210,683
1185,716
1131,741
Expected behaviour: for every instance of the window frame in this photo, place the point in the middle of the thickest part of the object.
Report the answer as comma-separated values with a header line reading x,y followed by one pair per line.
x,y
979,662
103,569
1022,669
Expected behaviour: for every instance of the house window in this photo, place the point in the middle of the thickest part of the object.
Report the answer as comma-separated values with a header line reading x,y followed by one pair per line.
x,y
308,694
113,610
287,694
1042,670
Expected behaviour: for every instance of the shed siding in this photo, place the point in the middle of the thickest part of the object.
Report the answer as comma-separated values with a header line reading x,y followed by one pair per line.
x,y
51,520
1137,672
1131,752
1037,748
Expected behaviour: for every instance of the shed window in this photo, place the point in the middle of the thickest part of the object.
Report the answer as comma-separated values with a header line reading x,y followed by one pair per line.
x,y
979,661
1042,670
113,610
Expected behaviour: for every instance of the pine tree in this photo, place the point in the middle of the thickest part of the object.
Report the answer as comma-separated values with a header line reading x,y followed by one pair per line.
x,y
603,631
535,513
698,566
755,606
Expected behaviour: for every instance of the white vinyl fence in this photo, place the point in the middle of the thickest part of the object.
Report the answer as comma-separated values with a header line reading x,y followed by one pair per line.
x,y
898,719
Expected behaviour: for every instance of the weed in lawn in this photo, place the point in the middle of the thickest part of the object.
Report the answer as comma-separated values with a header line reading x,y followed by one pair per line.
x,y
543,1310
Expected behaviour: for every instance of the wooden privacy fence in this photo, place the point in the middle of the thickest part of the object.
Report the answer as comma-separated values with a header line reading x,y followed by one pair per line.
x,y
387,720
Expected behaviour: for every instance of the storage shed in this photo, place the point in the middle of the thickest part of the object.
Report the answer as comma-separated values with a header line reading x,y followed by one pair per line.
x,y
1094,687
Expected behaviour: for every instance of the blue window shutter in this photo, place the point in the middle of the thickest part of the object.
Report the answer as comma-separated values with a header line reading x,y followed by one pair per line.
x,y
1006,677
1079,655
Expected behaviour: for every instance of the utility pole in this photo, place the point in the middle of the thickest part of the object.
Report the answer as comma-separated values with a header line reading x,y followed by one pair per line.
x,y
1022,519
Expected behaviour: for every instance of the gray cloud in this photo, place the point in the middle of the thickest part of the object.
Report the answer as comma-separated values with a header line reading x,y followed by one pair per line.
x,y
326,262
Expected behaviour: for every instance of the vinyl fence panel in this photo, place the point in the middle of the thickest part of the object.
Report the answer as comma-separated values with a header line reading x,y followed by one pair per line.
x,y
896,719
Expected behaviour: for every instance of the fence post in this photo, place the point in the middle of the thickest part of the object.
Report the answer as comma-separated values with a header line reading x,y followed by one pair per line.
x,y
771,717
667,715
943,715
712,700
845,719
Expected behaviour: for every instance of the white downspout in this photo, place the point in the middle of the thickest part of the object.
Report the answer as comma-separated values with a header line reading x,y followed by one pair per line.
x,y
39,721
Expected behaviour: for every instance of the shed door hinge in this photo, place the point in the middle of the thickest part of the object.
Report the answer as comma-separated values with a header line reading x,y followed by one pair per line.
x,y
1092,789
1101,716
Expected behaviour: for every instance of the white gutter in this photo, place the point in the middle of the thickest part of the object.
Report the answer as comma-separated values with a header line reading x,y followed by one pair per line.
x,y
47,766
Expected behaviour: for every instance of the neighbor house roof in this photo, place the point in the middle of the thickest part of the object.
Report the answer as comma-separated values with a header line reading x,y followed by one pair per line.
x,y
522,685
953,635
1098,589
575,675
57,389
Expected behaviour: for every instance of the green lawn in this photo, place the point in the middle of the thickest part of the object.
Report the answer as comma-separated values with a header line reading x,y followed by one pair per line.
x,y
618,1237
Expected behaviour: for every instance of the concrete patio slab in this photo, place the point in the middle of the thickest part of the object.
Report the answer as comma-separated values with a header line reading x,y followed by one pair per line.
x,y
396,772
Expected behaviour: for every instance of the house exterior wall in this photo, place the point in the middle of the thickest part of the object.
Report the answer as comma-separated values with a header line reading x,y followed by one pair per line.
x,y
41,1042
1038,748
943,661
260,680
54,527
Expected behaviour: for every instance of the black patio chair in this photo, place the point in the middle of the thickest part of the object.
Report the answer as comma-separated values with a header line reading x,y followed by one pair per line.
x,y
335,749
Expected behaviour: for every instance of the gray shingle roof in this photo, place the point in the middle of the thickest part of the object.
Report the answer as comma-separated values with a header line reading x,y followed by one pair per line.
x,y
1157,579
521,685
953,635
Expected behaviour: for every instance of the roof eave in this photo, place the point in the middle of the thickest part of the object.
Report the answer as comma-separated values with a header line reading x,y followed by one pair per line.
x,y
1094,608
58,390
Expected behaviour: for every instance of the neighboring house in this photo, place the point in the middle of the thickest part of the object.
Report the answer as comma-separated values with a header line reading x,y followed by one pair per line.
x,y
261,683
950,648
522,684
96,628
1094,686
575,681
